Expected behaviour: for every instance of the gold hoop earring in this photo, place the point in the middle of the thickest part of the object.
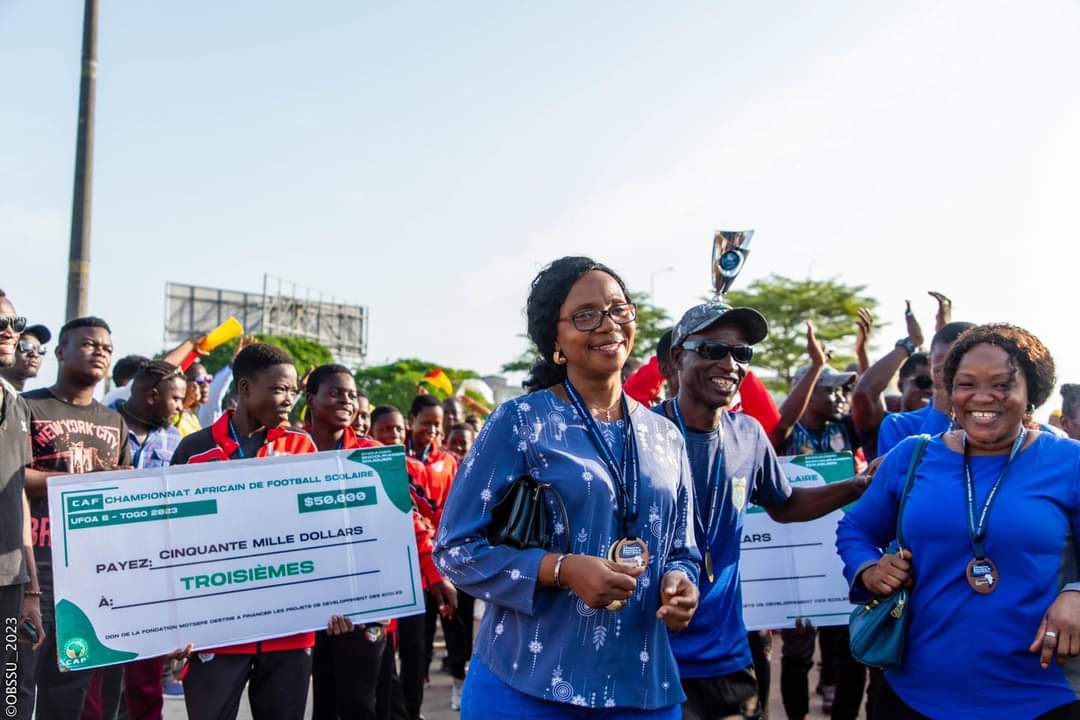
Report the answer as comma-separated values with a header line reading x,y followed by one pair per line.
x,y
558,358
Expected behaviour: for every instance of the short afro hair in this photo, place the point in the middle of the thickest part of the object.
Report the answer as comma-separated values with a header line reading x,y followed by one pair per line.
x,y
421,402
1070,396
1026,353
83,322
950,333
321,373
192,371
258,357
912,364
382,411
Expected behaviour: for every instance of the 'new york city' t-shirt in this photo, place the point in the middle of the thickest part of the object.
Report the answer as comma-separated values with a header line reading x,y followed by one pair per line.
x,y
72,439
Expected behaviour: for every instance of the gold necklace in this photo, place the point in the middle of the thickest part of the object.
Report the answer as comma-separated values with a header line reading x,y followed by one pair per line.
x,y
606,411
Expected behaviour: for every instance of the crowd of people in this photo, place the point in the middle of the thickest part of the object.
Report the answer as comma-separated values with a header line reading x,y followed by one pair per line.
x,y
630,605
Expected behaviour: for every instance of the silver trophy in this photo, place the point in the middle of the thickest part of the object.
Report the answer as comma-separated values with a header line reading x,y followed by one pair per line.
x,y
730,249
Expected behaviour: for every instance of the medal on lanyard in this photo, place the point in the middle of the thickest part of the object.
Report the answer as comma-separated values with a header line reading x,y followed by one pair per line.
x,y
628,551
981,573
703,522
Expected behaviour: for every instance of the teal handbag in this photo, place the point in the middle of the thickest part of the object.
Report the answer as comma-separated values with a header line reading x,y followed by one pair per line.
x,y
878,628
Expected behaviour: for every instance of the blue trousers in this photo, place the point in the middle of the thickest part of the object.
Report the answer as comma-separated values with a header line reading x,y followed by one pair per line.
x,y
486,697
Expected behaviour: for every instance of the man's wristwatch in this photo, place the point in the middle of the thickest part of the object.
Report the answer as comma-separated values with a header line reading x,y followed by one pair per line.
x,y
907,345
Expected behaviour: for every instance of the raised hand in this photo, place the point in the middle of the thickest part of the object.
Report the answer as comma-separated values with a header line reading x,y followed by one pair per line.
x,y
865,324
944,309
819,356
914,330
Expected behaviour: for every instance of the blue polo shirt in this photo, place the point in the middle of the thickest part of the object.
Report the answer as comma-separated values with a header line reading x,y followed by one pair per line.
x,y
897,426
966,655
715,643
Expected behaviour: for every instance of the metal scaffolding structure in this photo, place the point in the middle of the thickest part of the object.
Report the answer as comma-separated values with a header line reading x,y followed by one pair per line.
x,y
282,308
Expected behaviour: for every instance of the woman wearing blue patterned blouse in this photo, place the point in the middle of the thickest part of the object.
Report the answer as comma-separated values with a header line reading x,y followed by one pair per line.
x,y
986,524
580,629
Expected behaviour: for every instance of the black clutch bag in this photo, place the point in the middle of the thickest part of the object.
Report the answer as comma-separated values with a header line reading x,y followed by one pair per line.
x,y
519,519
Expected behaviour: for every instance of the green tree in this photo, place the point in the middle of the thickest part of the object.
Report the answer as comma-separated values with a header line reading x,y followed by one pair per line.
x,y
395,383
787,304
305,353
652,322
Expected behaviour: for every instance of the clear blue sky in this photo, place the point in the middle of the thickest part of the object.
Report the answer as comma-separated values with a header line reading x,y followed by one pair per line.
x,y
425,159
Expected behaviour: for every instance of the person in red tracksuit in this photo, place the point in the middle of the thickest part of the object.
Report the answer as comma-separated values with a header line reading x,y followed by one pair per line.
x,y
354,672
275,671
388,427
424,444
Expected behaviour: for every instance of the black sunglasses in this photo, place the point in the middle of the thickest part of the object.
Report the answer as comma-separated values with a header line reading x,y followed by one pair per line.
x,y
18,324
924,382
31,348
716,350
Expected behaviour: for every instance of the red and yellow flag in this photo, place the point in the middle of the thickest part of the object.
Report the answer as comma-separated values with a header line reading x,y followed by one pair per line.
x,y
440,381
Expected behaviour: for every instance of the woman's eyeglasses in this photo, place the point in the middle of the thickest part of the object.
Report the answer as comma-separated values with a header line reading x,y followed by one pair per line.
x,y
589,320
716,350
18,324
31,348
204,380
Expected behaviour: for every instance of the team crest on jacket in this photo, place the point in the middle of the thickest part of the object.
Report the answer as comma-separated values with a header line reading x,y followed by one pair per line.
x,y
738,492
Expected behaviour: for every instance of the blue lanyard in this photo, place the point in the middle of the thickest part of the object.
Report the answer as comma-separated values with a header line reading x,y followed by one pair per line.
x,y
704,523
236,439
139,451
422,456
625,474
978,529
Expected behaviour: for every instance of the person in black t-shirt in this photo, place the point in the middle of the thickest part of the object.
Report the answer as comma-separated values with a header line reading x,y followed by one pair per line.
x,y
20,595
70,433
816,418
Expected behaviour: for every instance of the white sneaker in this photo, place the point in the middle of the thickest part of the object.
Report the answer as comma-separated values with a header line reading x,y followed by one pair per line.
x,y
455,694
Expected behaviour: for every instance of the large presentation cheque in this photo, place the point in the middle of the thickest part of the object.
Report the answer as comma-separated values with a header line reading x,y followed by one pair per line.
x,y
792,570
145,562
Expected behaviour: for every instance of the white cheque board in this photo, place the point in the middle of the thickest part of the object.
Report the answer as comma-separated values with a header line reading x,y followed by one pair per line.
x,y
216,554
792,570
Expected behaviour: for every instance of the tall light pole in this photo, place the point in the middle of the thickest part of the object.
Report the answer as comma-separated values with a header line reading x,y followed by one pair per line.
x,y
652,281
79,256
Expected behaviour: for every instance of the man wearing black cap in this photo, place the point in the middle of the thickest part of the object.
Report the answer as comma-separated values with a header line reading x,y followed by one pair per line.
x,y
28,355
732,463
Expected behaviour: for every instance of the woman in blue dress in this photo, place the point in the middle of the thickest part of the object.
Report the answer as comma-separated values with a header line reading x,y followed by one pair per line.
x,y
986,525
569,632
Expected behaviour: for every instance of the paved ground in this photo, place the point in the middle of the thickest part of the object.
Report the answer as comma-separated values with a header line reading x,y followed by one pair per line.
x,y
437,696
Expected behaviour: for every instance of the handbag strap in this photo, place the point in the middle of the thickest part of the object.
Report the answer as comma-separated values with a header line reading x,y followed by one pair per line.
x,y
916,458
547,487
